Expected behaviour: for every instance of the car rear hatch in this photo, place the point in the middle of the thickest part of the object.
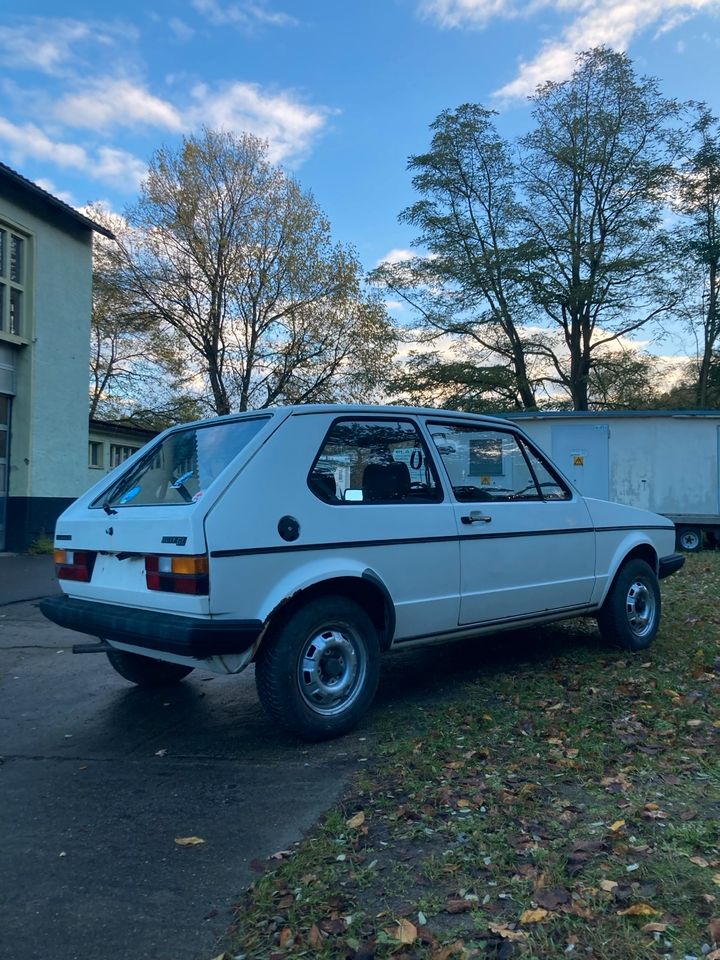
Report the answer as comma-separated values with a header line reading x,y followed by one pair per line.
x,y
137,538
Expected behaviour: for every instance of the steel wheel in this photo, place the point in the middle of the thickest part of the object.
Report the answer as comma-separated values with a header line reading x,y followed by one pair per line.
x,y
317,671
331,670
689,539
640,607
630,616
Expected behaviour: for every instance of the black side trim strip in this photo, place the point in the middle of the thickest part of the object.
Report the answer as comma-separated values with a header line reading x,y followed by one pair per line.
x,y
657,526
562,612
150,630
344,544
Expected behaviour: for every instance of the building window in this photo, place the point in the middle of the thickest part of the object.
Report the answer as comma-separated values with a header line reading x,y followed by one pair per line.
x,y
120,453
13,281
95,454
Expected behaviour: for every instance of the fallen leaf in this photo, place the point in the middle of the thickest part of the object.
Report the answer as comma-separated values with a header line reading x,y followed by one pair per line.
x,y
714,955
315,938
638,910
505,932
286,935
553,898
714,930
189,841
699,861
655,927
357,821
617,825
459,906
608,885
403,931
534,916
449,950
716,878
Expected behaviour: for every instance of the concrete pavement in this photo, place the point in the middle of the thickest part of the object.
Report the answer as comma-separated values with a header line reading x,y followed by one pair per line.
x,y
26,578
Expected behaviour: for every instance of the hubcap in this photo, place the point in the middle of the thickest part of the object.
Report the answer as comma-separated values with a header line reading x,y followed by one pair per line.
x,y
331,670
640,608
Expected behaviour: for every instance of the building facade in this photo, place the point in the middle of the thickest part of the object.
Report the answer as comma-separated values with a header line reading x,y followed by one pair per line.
x,y
45,308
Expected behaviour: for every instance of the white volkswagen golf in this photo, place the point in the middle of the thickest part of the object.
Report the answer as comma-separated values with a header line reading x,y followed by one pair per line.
x,y
309,539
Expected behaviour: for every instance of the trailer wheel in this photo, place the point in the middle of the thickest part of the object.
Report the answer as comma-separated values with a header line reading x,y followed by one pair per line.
x,y
317,671
689,539
630,616
145,671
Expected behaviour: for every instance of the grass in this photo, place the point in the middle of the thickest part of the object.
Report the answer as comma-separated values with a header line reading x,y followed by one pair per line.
x,y
562,800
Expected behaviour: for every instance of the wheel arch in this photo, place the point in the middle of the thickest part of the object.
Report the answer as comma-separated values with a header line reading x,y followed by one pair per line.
x,y
640,551
366,589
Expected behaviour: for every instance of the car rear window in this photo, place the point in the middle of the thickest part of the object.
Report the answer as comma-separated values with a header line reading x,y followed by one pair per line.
x,y
181,467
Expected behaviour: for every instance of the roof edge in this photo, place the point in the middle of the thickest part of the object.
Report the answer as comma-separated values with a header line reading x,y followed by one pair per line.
x,y
53,201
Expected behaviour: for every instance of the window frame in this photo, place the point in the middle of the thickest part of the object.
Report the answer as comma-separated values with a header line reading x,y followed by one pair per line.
x,y
20,287
97,445
439,496
524,445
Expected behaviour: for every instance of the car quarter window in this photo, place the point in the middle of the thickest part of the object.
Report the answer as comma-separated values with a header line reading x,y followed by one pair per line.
x,y
494,465
365,461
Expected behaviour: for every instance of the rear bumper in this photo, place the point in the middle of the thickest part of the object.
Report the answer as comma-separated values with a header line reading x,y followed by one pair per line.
x,y
670,565
163,632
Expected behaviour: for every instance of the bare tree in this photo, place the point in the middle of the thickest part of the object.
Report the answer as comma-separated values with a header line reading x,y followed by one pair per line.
x,y
596,173
229,253
698,202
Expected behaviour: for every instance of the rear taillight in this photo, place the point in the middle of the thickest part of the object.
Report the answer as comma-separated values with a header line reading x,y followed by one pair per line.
x,y
178,574
74,565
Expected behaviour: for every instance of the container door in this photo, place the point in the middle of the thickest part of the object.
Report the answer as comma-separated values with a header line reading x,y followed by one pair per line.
x,y
582,452
4,456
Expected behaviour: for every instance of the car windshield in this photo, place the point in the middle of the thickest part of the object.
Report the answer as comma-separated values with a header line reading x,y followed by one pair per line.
x,y
182,467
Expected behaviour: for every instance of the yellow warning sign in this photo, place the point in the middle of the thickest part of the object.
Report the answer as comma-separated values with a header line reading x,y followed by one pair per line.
x,y
485,481
578,460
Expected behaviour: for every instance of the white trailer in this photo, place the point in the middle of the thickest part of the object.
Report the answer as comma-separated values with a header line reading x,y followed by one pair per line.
x,y
660,460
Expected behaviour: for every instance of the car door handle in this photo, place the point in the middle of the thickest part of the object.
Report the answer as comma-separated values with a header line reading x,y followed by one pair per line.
x,y
476,516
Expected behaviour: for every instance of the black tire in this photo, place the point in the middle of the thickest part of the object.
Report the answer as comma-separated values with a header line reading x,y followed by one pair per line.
x,y
689,539
630,616
317,671
145,671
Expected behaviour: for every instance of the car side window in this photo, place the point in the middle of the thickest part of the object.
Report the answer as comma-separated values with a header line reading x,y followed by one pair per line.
x,y
493,465
365,461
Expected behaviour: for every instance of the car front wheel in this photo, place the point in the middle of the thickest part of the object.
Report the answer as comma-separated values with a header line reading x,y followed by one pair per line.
x,y
317,671
630,616
145,671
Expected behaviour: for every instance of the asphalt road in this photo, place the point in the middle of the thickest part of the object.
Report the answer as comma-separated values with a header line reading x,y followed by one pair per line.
x,y
99,777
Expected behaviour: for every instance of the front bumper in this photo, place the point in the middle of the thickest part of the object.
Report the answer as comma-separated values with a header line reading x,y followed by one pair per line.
x,y
151,630
670,565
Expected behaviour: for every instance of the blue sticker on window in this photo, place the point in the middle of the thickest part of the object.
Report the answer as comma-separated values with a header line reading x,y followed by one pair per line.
x,y
130,495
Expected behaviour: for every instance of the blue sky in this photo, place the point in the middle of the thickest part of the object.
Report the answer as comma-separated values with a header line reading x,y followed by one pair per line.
x,y
344,90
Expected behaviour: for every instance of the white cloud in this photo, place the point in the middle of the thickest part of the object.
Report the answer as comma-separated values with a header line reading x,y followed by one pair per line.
x,y
182,31
396,255
63,195
288,125
47,44
110,102
27,141
246,14
614,23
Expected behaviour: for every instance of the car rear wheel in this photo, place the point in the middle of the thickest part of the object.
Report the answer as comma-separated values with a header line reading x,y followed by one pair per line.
x,y
317,671
630,616
145,671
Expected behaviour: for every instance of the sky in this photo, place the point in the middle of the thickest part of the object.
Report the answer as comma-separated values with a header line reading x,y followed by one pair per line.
x,y
343,90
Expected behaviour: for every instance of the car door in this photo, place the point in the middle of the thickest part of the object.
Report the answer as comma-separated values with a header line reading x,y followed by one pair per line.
x,y
527,542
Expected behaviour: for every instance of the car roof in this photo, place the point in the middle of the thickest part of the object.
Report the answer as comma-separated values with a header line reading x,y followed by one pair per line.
x,y
356,409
